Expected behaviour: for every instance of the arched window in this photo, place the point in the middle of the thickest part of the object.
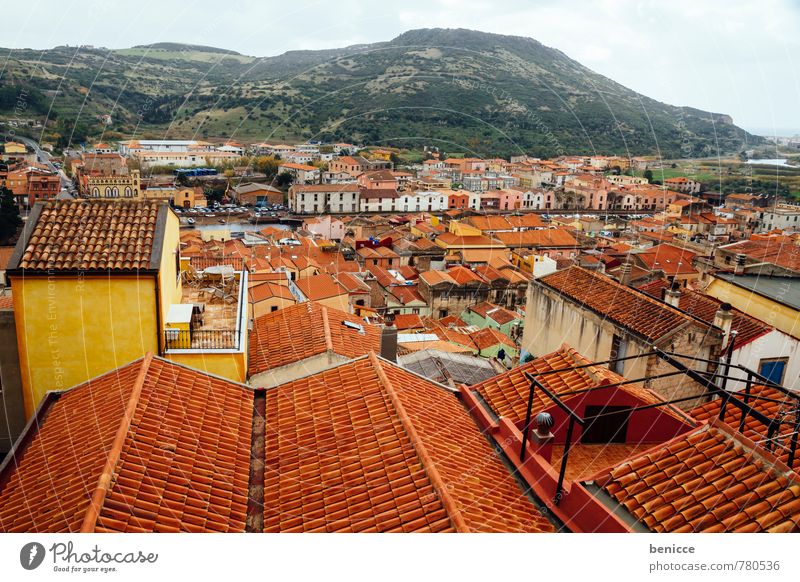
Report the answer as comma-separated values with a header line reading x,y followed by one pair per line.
x,y
115,192
95,192
107,192
128,192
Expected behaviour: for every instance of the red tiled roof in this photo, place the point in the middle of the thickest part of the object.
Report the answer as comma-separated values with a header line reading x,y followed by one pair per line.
x,y
507,394
548,237
264,291
774,250
318,287
307,329
464,276
406,294
669,258
96,235
433,278
405,321
488,337
753,428
494,312
705,307
364,447
144,463
452,240
625,306
7,302
708,480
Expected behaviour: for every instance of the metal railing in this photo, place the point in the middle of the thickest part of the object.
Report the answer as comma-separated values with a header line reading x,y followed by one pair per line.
x,y
201,339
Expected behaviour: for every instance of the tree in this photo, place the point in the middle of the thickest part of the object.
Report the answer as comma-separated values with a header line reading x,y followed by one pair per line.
x,y
10,220
284,180
648,175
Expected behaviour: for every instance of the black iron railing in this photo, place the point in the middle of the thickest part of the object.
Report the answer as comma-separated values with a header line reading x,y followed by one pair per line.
x,y
201,339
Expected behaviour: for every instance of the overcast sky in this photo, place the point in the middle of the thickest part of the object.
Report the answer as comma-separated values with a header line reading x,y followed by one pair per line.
x,y
729,56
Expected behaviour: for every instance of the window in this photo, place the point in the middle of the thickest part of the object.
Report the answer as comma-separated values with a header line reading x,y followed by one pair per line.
x,y
610,427
273,308
773,369
619,348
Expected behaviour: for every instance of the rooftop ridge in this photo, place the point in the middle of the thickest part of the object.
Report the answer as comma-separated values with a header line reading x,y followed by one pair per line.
x,y
326,327
104,482
430,467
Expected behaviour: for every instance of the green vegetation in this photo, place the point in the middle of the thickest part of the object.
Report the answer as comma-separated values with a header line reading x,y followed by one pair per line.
x,y
10,220
466,92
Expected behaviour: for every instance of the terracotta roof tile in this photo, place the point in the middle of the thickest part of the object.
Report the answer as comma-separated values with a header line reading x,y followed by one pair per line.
x,y
710,479
625,306
754,429
705,307
307,329
507,393
362,447
182,463
405,321
542,238
319,287
488,337
92,235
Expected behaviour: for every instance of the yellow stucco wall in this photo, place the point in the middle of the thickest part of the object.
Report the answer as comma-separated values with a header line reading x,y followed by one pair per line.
x,y
770,312
340,302
72,329
231,366
168,282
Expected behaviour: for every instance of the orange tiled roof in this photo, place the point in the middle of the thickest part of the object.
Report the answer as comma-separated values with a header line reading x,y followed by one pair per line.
x,y
753,428
488,337
548,237
318,287
363,448
627,307
405,321
268,290
669,258
7,302
307,329
145,461
96,235
778,251
507,394
705,307
709,480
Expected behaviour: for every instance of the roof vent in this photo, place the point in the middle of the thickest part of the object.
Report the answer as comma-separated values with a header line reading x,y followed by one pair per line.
x,y
544,422
356,326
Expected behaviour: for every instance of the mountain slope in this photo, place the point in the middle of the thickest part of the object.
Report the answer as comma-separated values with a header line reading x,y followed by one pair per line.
x,y
459,89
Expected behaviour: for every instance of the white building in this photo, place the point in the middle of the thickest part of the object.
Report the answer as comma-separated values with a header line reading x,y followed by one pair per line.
x,y
378,200
163,145
422,201
781,217
324,198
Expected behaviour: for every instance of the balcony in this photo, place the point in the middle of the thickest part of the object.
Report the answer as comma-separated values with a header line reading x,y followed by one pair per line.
x,y
212,314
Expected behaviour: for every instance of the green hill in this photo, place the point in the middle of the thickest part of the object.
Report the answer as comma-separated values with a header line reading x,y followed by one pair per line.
x,y
463,90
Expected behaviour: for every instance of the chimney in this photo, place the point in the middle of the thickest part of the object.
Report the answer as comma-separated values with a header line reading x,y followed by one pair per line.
x,y
672,296
625,271
738,265
389,339
542,437
723,319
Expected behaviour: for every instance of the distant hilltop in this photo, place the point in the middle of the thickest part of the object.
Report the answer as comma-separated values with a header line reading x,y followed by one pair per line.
x,y
465,91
